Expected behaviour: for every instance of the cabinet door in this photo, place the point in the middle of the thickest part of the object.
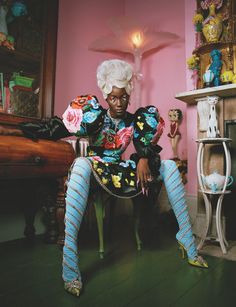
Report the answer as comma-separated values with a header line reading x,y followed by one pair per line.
x,y
27,67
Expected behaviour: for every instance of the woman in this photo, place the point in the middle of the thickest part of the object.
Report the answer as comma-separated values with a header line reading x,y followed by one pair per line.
x,y
111,132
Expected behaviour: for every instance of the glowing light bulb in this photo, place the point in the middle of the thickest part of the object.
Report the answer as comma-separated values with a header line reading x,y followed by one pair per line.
x,y
137,39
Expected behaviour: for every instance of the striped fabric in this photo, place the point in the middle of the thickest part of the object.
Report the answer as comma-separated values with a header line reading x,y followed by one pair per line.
x,y
176,194
76,201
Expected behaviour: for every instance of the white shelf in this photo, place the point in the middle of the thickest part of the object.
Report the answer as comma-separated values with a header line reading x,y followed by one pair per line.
x,y
207,191
190,97
213,140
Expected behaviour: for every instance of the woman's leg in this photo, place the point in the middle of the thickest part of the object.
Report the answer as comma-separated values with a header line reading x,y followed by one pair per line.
x,y
76,201
176,194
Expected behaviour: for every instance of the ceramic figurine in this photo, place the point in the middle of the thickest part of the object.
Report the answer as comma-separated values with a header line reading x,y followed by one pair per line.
x,y
216,65
18,8
208,77
227,77
212,130
175,116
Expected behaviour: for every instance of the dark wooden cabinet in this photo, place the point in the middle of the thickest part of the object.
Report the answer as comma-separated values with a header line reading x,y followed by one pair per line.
x,y
34,59
32,171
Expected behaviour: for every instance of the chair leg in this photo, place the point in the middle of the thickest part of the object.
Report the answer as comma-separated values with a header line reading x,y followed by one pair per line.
x,y
137,212
100,212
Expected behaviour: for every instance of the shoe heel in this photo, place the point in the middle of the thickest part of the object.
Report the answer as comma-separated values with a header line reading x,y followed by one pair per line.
x,y
198,261
182,250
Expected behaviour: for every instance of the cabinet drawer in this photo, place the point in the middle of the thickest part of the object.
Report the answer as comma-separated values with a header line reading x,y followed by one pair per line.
x,y
23,158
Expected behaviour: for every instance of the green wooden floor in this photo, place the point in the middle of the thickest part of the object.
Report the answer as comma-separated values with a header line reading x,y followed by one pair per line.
x,y
156,276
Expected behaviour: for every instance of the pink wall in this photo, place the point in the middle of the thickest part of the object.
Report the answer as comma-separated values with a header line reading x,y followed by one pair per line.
x,y
164,72
80,23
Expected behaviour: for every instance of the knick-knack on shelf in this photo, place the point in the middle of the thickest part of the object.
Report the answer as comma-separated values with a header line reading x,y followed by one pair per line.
x,y
193,64
216,65
175,116
213,24
197,21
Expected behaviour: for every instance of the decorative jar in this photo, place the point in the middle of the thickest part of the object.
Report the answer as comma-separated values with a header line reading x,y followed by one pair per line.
x,y
212,26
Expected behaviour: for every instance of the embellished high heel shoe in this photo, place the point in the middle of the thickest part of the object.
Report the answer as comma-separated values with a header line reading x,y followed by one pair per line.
x,y
73,287
176,194
198,261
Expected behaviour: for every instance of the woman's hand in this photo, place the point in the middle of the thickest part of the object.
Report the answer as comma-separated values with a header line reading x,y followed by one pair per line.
x,y
143,174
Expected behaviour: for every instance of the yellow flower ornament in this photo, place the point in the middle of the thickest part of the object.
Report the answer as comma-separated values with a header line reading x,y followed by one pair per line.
x,y
140,125
116,181
104,180
99,171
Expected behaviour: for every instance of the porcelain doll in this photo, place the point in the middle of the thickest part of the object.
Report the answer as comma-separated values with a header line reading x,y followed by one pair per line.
x,y
175,116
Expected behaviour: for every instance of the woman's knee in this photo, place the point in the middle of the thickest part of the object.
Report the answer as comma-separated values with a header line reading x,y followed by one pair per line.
x,y
81,163
168,164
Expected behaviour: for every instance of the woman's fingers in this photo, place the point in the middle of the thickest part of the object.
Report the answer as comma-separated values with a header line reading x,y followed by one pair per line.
x,y
144,178
143,174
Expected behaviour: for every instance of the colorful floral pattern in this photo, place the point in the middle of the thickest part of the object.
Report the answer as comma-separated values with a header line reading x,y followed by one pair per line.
x,y
144,127
84,112
109,139
72,119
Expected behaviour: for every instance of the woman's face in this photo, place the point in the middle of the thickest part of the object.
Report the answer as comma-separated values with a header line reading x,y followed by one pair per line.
x,y
118,101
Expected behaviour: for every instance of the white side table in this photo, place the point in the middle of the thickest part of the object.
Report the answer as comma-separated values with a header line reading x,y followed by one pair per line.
x,y
207,193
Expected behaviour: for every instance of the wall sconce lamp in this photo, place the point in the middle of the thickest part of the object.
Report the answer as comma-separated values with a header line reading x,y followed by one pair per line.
x,y
128,36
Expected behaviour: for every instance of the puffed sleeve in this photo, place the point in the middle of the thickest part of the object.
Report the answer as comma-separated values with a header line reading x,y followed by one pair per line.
x,y
82,117
148,128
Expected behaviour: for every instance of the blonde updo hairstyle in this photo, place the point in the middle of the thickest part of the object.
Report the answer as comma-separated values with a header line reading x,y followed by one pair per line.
x,y
114,73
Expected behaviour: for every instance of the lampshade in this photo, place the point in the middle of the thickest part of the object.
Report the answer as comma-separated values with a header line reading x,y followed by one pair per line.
x,y
129,34
208,77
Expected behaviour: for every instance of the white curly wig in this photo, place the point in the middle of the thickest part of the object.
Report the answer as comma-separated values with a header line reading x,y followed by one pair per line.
x,y
114,73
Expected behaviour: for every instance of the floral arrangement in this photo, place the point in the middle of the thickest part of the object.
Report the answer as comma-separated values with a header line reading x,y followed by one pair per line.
x,y
193,62
207,3
197,21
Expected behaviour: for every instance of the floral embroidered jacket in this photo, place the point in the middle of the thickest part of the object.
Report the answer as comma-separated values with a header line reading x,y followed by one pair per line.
x,y
109,139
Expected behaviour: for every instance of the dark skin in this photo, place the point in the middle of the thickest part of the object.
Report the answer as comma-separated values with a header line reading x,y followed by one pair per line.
x,y
118,101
